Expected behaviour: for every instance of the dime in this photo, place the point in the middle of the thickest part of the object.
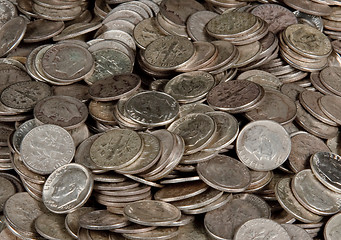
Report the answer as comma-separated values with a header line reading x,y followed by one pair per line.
x,y
325,166
157,233
275,106
82,155
72,220
303,145
116,149
116,186
41,29
102,220
7,189
76,30
288,201
261,228
331,228
263,145
213,173
67,188
102,111
180,191
47,147
310,7
330,105
52,226
196,23
329,79
114,87
296,233
292,90
159,213
152,108
313,195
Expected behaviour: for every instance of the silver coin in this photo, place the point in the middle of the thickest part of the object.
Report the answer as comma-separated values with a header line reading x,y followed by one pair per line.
x,y
102,220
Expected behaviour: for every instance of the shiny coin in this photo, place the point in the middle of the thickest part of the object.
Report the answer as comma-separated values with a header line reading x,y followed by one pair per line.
x,y
159,213
67,188
102,220
325,166
21,132
259,148
47,147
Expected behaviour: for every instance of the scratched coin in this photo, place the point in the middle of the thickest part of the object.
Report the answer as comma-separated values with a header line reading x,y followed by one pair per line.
x,y
23,96
47,147
263,145
116,149
152,108
67,188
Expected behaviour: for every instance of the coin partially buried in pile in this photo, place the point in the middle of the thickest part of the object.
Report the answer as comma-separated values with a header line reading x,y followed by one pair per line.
x,y
169,119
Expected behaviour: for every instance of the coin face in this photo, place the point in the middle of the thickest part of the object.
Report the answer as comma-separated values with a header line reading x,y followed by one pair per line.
x,y
47,147
263,145
67,188
51,225
102,220
116,149
159,213
152,108
332,226
172,52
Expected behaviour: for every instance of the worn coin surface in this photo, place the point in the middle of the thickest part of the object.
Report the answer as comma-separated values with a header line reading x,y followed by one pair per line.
x,y
46,148
261,228
263,145
102,220
326,167
67,188
331,105
213,172
116,149
72,220
331,230
295,232
159,213
157,233
7,189
52,226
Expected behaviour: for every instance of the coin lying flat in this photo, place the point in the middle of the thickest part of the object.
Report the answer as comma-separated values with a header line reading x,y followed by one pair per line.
x,y
159,213
155,234
102,220
67,188
261,228
7,189
332,226
325,166
263,145
52,226
72,220
47,147
330,106
214,173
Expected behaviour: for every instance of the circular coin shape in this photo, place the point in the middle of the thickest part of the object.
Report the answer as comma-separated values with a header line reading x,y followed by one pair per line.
x,y
72,220
261,228
24,95
159,213
332,228
326,166
263,145
47,147
52,226
114,87
235,96
116,149
64,111
102,220
213,172
331,106
67,188
67,62
296,233
152,108
7,189
169,53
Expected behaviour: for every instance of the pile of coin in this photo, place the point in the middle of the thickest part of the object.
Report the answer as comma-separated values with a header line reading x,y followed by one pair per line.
x,y
169,119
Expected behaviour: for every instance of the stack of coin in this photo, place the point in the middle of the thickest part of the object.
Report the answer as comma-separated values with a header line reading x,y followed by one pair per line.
x,y
306,55
331,24
56,11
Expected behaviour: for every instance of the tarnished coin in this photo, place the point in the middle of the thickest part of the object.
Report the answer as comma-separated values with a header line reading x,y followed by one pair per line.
x,y
157,233
326,167
288,201
52,226
310,7
21,210
146,32
152,108
114,87
275,106
303,145
330,77
276,16
67,62
67,188
330,105
196,23
331,230
102,220
313,195
116,149
133,228
263,145
23,96
47,147
180,191
235,96
159,213
260,228
64,111
10,74
82,155
189,87
11,33
72,220
8,10
296,233
102,111
172,52
41,29
7,189
213,172
222,223
197,130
